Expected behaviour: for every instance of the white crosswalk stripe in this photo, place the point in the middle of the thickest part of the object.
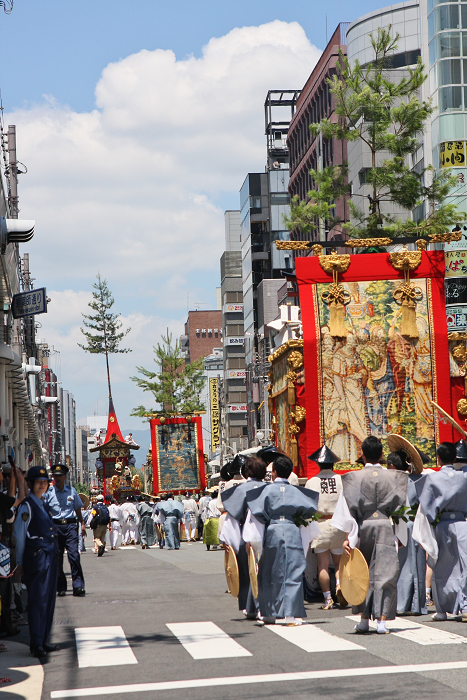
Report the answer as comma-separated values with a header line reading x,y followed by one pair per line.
x,y
425,635
205,640
313,639
103,646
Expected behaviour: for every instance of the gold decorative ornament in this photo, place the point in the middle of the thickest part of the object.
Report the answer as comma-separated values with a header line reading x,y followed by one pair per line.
x,y
112,419
456,335
295,359
459,353
291,376
421,244
294,429
189,419
368,242
445,237
336,297
293,343
292,245
317,249
462,407
407,294
162,420
299,414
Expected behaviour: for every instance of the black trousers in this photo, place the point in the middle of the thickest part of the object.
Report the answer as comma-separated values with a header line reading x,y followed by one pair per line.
x,y
67,537
40,577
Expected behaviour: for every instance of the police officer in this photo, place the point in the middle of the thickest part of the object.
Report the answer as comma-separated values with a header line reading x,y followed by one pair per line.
x,y
66,505
36,558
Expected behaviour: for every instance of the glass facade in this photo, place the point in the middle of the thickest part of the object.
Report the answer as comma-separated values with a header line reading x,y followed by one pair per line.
x,y
447,37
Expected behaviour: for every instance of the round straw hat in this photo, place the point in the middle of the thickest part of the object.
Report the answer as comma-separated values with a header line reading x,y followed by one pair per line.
x,y
354,577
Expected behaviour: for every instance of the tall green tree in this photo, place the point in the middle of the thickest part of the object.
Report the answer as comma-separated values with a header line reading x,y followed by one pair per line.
x,y
382,109
175,385
105,334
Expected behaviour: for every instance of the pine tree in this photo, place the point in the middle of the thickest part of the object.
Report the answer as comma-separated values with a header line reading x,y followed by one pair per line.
x,y
176,386
383,110
106,338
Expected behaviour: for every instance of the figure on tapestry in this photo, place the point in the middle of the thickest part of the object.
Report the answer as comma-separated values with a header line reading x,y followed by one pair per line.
x,y
375,381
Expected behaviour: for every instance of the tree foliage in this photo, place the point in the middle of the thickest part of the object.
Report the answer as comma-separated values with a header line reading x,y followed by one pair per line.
x,y
176,386
105,334
382,109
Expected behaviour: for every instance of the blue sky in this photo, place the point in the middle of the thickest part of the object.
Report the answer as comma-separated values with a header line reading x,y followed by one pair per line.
x,y
138,121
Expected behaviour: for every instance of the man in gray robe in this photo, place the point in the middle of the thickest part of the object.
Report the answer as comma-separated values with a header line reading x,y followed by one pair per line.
x,y
235,504
282,564
441,528
411,595
173,513
368,498
146,526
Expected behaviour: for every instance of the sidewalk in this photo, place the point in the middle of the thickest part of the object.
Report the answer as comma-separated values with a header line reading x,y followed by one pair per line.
x,y
25,671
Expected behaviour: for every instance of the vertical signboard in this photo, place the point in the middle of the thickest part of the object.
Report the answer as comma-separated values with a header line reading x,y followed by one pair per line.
x,y
214,401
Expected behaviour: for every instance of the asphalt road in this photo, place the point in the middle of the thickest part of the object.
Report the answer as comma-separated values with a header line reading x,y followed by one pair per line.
x,y
144,591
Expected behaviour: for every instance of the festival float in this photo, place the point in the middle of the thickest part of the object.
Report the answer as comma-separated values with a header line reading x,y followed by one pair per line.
x,y
375,356
114,461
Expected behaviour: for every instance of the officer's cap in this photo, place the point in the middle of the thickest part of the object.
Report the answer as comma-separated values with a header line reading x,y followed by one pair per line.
x,y
37,473
269,453
461,451
58,469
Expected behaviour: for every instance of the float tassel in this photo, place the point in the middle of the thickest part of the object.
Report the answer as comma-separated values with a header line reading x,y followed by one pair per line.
x,y
337,320
409,319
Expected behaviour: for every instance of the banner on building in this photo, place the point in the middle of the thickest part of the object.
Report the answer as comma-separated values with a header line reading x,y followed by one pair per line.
x,y
214,400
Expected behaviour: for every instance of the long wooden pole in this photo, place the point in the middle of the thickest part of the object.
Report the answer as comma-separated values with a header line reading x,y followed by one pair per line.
x,y
450,419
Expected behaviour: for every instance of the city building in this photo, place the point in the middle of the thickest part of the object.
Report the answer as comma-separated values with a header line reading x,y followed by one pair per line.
x,y
264,201
314,152
203,332
232,387
213,366
82,463
68,426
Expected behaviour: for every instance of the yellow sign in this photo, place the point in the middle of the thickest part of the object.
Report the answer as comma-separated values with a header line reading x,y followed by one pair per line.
x,y
215,428
452,154
456,263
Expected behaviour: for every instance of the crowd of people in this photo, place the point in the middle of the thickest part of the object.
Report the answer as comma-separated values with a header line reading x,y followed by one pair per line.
x,y
408,521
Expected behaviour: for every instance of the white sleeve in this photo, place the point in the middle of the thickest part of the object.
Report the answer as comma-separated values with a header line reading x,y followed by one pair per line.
x,y
253,532
308,534
343,520
231,533
423,533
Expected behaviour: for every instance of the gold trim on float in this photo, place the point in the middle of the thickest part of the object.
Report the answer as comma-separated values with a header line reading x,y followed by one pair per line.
x,y
293,343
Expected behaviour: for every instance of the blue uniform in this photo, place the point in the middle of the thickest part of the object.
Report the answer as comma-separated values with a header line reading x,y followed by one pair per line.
x,y
36,552
64,504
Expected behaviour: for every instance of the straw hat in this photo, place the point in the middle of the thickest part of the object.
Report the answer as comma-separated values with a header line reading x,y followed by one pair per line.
x,y
231,572
253,571
397,442
354,577
84,500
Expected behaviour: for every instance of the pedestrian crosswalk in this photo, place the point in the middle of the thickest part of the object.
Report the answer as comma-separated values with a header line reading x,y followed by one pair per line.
x,y
108,646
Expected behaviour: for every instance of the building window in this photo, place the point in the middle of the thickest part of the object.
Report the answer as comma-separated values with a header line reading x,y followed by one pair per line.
x,y
450,99
234,329
449,45
450,72
447,17
280,198
232,297
236,363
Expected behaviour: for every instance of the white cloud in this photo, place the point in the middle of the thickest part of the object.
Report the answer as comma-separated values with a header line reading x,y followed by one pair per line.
x,y
131,188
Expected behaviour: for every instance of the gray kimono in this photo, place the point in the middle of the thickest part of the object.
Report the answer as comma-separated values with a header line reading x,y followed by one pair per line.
x,y
235,503
443,496
411,593
372,494
173,511
282,564
146,526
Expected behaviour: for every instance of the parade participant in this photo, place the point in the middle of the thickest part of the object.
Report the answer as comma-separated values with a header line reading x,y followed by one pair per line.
x,y
190,516
202,509
441,528
268,454
116,518
173,512
99,523
363,511
211,523
159,520
131,519
461,455
270,524
329,542
146,525
235,504
67,518
411,594
36,557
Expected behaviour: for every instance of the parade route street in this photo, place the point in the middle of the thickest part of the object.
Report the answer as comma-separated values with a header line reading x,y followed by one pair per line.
x,y
158,624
